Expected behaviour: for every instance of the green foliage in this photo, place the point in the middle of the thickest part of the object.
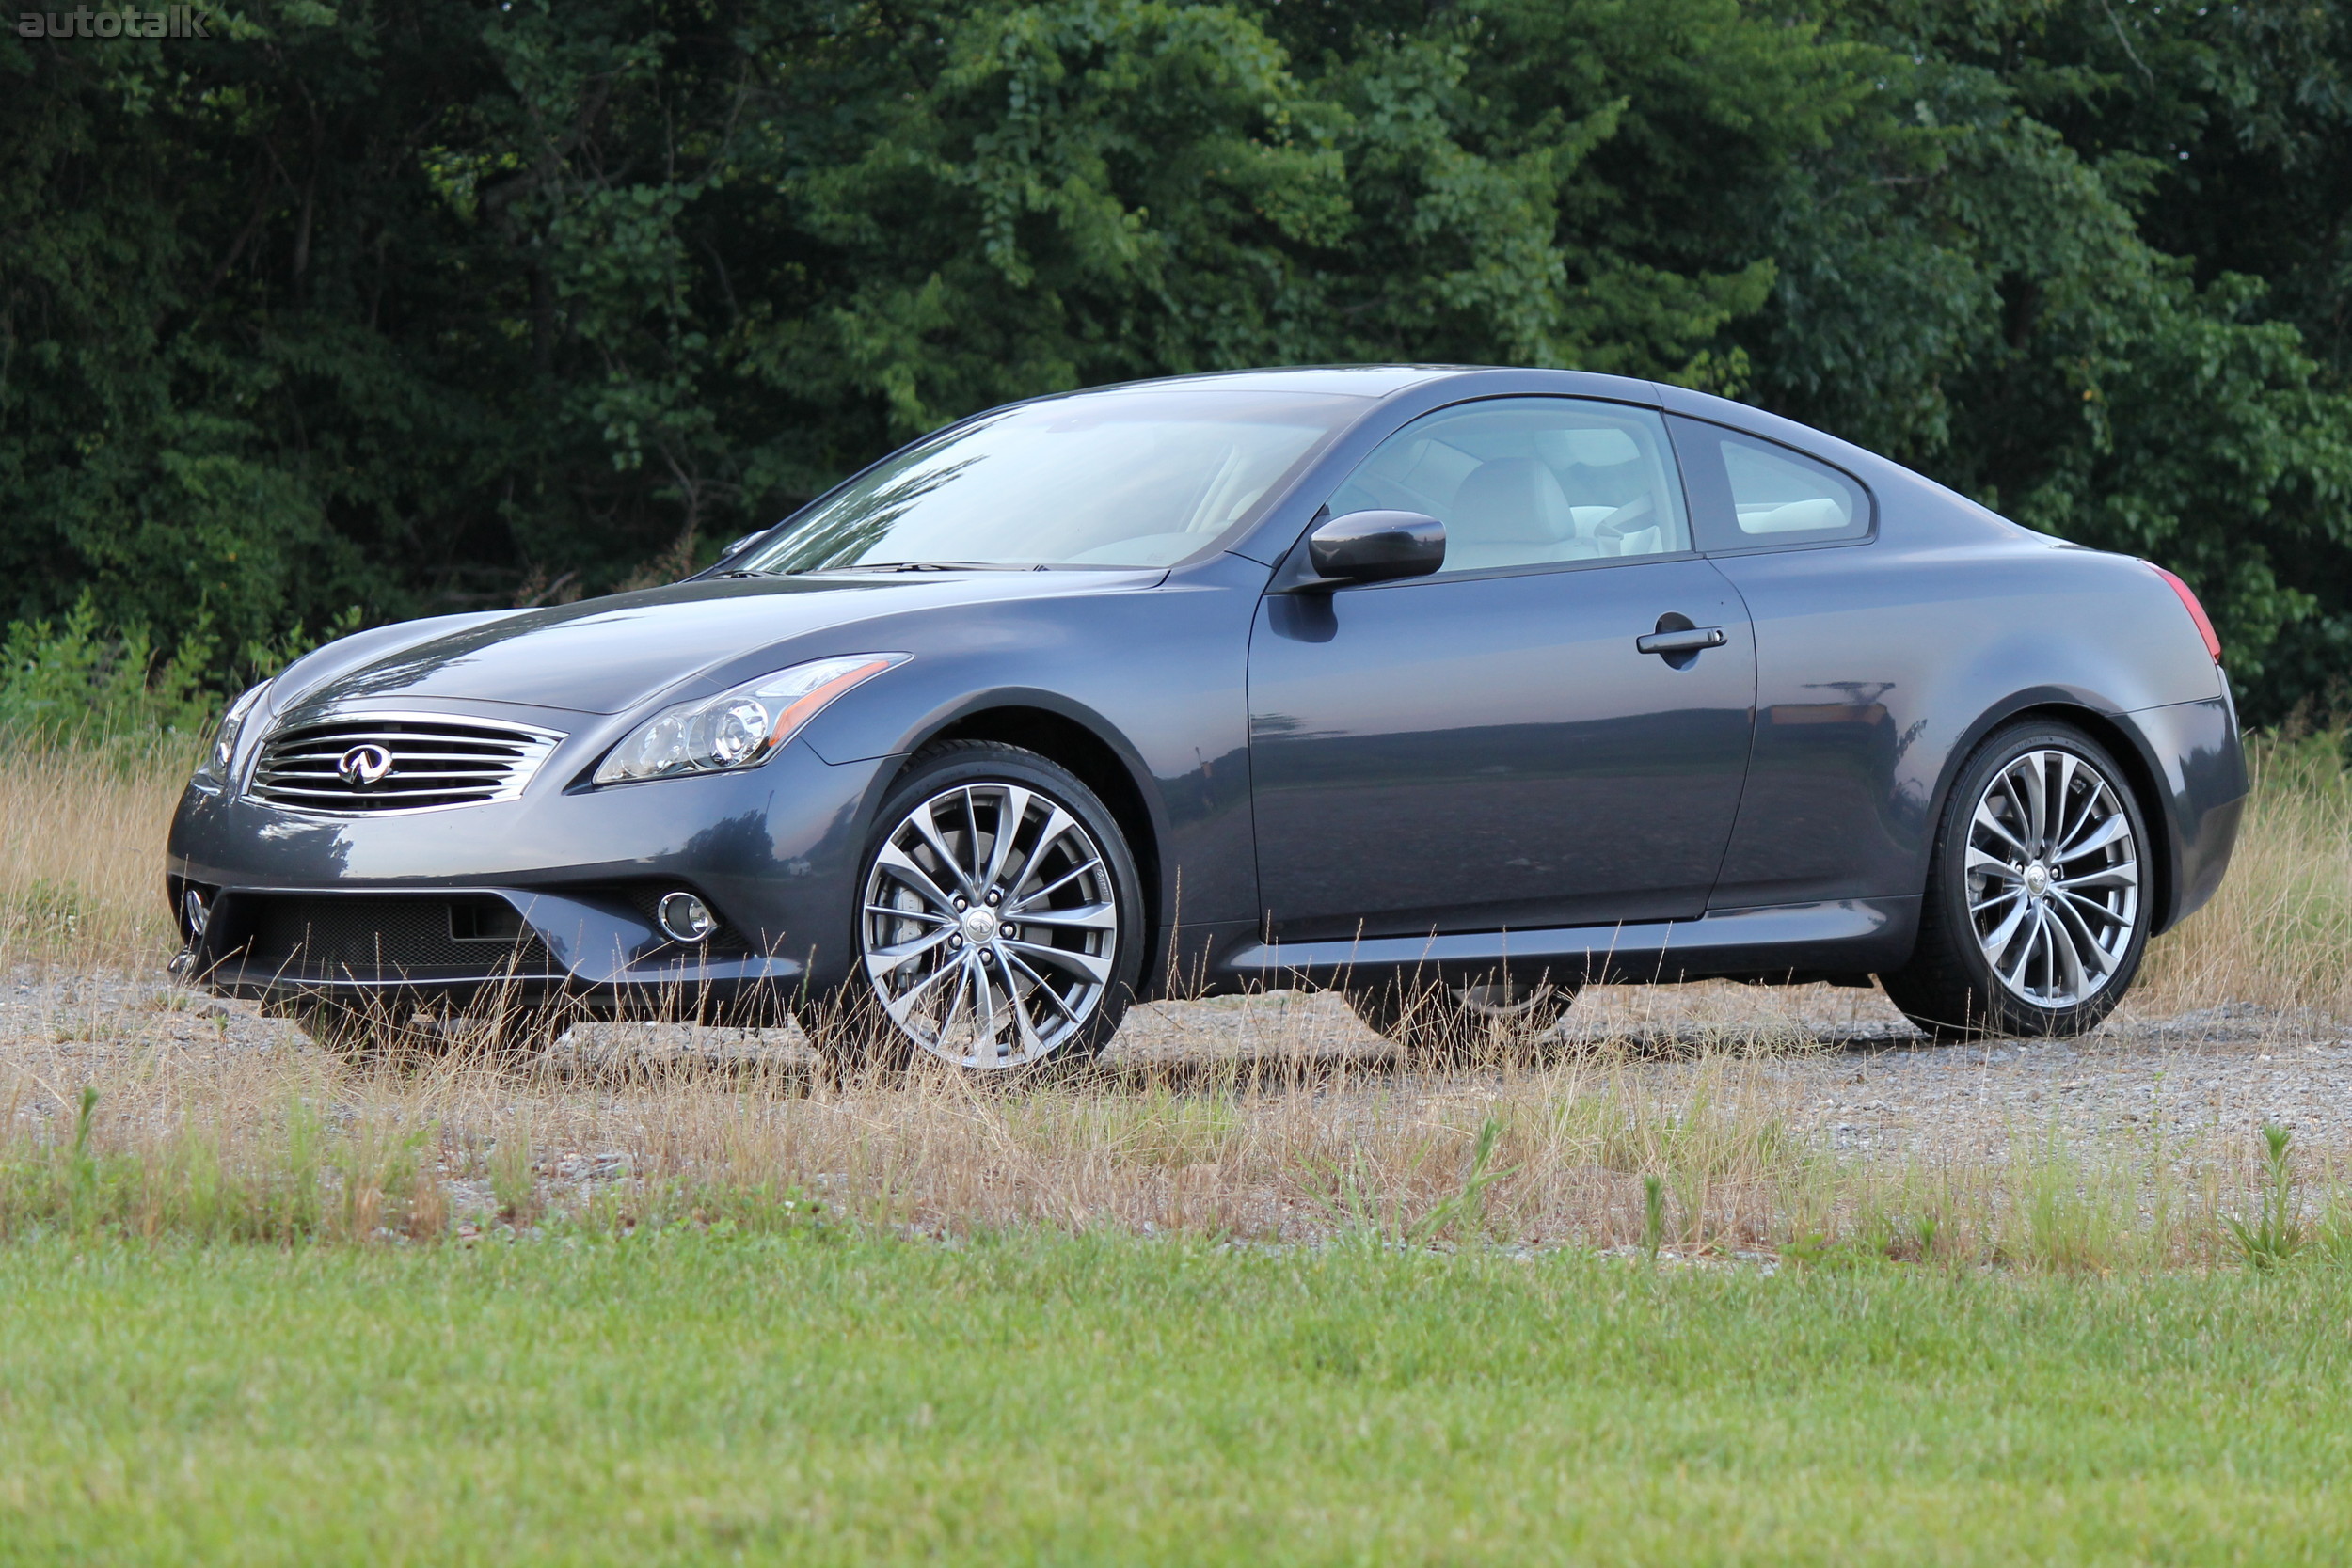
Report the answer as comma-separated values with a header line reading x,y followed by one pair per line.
x,y
1361,1218
423,303
1653,1216
1970,283
2276,1233
71,683
67,682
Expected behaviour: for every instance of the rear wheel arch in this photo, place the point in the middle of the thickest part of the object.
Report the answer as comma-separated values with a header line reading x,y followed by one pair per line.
x,y
2130,752
2024,928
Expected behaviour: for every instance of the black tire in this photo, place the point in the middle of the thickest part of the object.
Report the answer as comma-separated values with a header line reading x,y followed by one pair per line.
x,y
1440,1025
1950,987
852,1027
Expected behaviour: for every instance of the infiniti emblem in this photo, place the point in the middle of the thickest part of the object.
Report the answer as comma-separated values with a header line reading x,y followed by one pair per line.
x,y
364,766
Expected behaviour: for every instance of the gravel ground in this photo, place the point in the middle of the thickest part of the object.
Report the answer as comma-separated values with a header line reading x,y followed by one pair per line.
x,y
1843,1064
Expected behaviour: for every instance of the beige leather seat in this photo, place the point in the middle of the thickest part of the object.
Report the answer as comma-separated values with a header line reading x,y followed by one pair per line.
x,y
1511,512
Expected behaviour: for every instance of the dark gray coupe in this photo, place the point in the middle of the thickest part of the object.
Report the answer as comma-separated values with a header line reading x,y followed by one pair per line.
x,y
1454,689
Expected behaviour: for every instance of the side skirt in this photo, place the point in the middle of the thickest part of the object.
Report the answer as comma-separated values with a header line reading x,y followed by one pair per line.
x,y
1795,941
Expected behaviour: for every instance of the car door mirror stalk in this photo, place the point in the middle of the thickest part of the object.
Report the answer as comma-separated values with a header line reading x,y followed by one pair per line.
x,y
1365,547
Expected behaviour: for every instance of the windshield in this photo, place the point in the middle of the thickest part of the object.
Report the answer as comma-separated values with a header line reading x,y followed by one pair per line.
x,y
1140,478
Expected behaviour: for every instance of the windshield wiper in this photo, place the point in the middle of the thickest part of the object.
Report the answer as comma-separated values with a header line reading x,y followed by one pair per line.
x,y
924,566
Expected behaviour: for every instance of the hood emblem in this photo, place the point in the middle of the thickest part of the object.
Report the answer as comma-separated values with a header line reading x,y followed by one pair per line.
x,y
364,766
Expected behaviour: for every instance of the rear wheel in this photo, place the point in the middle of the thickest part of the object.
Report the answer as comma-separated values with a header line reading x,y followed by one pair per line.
x,y
2036,911
1000,919
1444,1023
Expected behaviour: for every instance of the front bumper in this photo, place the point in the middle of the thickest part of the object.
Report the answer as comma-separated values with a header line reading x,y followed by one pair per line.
x,y
772,850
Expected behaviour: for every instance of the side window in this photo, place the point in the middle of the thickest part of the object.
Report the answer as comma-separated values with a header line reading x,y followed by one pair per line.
x,y
1531,481
1752,494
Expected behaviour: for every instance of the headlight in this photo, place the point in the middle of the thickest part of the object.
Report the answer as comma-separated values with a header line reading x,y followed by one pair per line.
x,y
223,753
741,728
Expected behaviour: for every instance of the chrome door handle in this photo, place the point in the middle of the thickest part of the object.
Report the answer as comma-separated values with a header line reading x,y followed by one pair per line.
x,y
1686,641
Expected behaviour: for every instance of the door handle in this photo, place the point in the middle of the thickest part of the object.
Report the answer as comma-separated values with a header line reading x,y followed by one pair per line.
x,y
1689,639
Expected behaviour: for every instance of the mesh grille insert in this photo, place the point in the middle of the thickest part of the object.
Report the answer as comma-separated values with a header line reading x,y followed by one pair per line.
x,y
367,938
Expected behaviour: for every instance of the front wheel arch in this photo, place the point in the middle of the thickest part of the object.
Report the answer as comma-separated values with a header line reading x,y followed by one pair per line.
x,y
1101,766
848,1022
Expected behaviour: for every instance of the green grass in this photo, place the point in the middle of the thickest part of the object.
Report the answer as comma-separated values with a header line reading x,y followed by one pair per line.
x,y
825,1398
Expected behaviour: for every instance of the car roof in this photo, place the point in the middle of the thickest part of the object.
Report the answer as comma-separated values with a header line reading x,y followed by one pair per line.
x,y
1361,381
1379,382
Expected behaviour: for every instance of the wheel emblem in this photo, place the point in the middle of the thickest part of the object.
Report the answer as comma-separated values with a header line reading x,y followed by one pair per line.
x,y
2053,879
991,924
364,766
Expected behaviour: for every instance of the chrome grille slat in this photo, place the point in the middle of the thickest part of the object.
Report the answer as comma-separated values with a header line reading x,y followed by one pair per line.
x,y
444,774
503,734
404,795
328,756
337,746
470,734
331,753
438,761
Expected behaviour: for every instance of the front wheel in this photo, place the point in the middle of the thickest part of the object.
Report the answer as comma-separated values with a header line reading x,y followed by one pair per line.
x,y
1000,919
2036,911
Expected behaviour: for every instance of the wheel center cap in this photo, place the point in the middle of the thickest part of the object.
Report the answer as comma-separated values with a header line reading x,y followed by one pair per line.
x,y
2036,878
979,924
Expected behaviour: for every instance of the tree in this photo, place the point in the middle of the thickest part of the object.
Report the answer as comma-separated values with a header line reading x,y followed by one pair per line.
x,y
419,304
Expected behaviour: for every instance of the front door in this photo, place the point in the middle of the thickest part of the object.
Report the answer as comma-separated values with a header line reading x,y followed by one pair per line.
x,y
1488,748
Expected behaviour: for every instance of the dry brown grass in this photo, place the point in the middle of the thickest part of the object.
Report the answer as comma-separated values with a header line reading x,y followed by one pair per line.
x,y
2280,931
1276,1119
81,856
1273,1121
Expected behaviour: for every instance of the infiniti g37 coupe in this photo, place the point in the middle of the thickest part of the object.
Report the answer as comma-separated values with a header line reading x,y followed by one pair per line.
x,y
1454,690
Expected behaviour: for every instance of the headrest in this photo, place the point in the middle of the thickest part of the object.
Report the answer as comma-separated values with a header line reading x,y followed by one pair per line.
x,y
1512,501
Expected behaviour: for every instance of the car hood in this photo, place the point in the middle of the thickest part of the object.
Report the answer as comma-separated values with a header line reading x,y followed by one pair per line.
x,y
607,656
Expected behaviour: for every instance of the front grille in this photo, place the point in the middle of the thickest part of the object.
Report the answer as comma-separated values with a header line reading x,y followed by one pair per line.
x,y
365,938
434,762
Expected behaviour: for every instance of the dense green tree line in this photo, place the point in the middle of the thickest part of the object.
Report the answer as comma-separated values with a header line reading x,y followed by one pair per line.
x,y
419,304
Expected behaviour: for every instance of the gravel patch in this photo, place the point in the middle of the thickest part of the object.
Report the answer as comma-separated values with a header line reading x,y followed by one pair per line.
x,y
1839,1065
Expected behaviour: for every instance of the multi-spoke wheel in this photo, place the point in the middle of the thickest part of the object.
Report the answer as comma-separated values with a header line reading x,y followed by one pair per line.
x,y
1440,1023
2035,916
998,921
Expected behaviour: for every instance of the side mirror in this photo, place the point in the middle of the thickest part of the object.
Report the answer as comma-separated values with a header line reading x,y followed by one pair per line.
x,y
1373,547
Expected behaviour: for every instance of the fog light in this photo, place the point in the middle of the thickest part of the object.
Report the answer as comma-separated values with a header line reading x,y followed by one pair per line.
x,y
194,914
685,917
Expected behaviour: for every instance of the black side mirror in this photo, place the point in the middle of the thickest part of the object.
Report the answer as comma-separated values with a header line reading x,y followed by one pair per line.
x,y
1373,547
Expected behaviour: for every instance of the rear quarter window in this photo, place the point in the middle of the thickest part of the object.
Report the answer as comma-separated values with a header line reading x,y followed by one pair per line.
x,y
1748,493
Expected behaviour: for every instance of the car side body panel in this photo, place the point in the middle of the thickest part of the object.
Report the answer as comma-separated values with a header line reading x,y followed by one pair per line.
x,y
1476,752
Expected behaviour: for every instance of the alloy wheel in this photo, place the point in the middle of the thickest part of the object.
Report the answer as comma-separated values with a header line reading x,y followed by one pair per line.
x,y
990,925
2053,878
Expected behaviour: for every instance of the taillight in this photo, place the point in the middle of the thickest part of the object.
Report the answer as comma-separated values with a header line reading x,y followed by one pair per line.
x,y
2196,610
